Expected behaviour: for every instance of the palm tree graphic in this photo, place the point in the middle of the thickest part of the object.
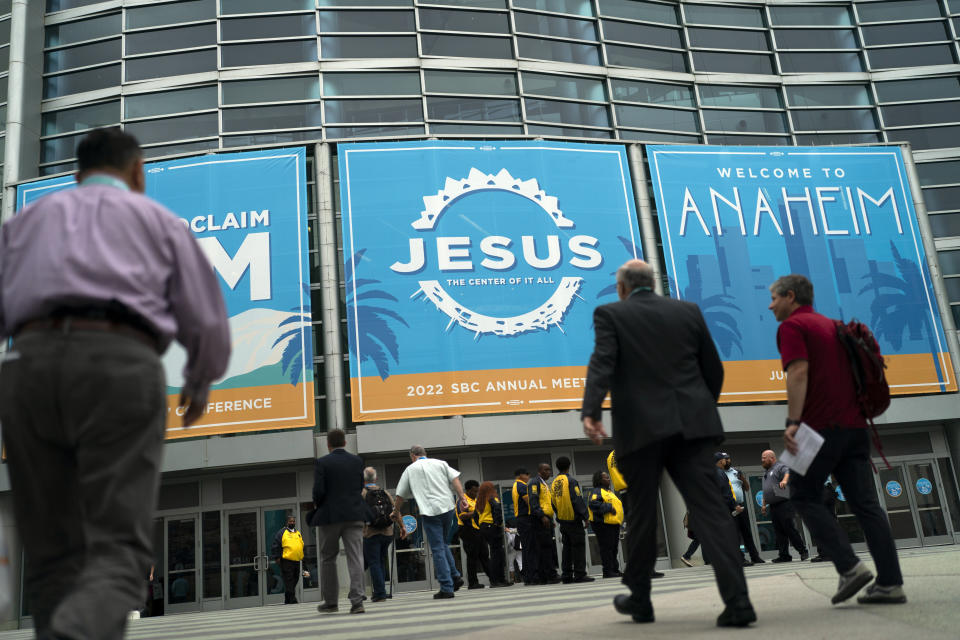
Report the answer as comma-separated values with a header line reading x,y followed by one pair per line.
x,y
633,251
293,352
723,325
377,339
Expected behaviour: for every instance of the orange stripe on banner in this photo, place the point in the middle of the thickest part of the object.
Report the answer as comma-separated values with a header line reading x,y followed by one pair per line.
x,y
247,409
418,395
762,380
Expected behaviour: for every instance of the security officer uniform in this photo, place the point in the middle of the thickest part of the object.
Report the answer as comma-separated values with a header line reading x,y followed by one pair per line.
x,y
571,514
606,516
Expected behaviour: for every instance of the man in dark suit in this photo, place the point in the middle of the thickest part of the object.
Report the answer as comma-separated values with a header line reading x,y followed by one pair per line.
x,y
656,357
340,513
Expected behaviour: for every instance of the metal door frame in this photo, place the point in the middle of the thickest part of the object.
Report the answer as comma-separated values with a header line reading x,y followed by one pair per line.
x,y
429,581
261,560
925,541
196,604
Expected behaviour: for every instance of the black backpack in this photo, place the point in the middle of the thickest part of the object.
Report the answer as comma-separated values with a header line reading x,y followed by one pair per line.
x,y
378,501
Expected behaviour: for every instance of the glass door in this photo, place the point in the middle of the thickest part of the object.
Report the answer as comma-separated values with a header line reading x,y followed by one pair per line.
x,y
925,492
766,538
896,500
182,578
413,566
273,520
253,576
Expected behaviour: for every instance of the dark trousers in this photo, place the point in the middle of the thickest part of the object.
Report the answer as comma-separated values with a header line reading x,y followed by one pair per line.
x,y
529,551
493,537
476,550
291,576
846,454
608,540
746,534
692,548
691,465
785,528
546,550
375,549
574,558
83,416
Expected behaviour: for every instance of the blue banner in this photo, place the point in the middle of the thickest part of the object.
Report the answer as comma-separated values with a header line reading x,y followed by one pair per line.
x,y
733,219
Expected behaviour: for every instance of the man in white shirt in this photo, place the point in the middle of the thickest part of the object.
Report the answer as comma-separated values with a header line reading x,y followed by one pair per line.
x,y
742,518
429,481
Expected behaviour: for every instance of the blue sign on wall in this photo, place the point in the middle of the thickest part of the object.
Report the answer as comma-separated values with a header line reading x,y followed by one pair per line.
x,y
733,219
894,489
924,486
473,268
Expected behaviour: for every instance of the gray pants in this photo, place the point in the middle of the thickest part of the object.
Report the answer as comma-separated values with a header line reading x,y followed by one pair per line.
x,y
330,535
83,423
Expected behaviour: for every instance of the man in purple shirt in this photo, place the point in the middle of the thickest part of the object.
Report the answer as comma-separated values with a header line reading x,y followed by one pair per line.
x,y
94,284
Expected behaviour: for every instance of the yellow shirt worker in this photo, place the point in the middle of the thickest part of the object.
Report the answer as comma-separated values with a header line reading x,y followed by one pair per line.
x,y
572,515
287,550
606,516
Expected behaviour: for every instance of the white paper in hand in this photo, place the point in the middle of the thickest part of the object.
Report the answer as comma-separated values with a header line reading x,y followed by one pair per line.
x,y
808,445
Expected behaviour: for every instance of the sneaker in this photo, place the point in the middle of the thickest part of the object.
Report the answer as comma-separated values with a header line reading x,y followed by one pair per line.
x,y
457,583
819,558
784,559
875,594
584,579
851,582
804,555
758,560
639,610
685,560
443,595
327,608
739,613
476,586
357,608
496,585
379,599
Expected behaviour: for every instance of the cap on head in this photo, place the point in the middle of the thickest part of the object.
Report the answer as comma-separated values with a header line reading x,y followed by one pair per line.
x,y
720,455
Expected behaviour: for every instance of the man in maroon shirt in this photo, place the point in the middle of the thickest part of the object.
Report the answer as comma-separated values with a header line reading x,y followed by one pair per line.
x,y
820,393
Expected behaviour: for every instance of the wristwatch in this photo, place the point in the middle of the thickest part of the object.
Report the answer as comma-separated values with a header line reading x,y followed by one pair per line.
x,y
791,422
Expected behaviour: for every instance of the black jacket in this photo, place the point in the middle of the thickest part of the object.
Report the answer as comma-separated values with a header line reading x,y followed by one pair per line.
x,y
726,492
657,358
337,485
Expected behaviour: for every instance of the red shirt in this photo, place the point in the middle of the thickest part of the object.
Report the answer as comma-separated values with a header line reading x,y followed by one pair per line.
x,y
831,399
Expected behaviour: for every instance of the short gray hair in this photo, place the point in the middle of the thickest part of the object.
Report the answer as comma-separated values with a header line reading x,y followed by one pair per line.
x,y
800,285
417,450
634,275
369,475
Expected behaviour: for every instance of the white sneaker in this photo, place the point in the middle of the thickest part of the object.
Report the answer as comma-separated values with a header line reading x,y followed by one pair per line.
x,y
875,594
685,560
134,615
851,582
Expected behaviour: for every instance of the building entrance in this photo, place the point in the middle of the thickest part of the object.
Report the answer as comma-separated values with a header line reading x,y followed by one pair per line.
x,y
253,576
912,494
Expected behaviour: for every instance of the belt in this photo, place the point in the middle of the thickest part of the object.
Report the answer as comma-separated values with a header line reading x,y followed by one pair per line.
x,y
66,323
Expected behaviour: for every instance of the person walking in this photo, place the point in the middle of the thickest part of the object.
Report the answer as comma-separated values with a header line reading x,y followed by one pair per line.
x,y
432,482
541,508
469,532
95,282
377,531
525,522
287,551
663,421
340,514
488,515
776,499
572,516
821,393
606,518
742,519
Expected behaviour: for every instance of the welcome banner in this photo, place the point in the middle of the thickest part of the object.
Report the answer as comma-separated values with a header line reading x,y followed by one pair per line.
x,y
472,270
734,219
249,213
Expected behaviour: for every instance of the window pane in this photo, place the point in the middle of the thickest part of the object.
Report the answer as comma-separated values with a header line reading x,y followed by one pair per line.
x,y
172,64
815,39
636,10
926,89
277,137
82,56
897,57
942,198
567,112
827,95
475,129
833,119
180,148
619,55
732,62
374,132
576,7
156,104
921,113
905,32
182,128
631,32
946,225
59,148
241,55
540,24
747,140
752,97
370,3
563,86
286,116
728,39
811,15
928,138
655,93
371,84
567,132
95,115
368,47
351,111
435,44
558,50
479,21
89,80
839,138
651,136
167,39
473,109
365,21
483,4
653,118
69,32
271,90
157,15
949,261
939,172
732,16
902,10
262,28
61,5
258,6
470,82
819,62
734,121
